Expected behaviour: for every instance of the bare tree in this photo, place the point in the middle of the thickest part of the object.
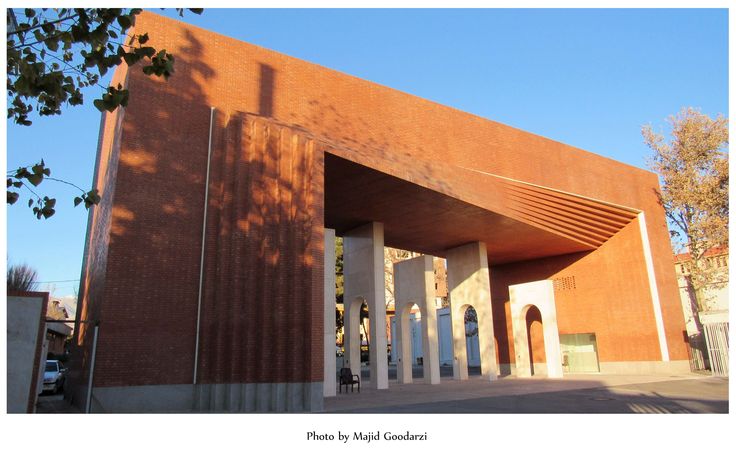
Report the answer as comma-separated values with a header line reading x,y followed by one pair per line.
x,y
21,278
693,170
392,256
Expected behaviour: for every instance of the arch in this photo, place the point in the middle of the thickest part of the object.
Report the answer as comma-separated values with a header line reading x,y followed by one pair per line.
x,y
414,286
471,342
352,339
472,335
364,282
538,295
404,343
468,281
534,338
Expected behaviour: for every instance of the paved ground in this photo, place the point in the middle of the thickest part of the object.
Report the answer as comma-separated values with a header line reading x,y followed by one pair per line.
x,y
572,394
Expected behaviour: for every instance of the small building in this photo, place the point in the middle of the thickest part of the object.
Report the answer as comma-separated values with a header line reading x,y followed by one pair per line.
x,y
57,333
706,323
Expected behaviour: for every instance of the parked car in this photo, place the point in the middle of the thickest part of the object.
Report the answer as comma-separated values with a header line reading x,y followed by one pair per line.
x,y
54,376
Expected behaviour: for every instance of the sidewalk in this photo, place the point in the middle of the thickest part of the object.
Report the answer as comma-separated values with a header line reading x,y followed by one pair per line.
x,y
575,393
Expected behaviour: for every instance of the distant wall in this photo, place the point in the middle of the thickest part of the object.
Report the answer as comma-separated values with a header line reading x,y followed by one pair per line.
x,y
26,328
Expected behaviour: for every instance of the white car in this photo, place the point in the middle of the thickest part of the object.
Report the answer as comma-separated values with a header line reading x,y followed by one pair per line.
x,y
54,376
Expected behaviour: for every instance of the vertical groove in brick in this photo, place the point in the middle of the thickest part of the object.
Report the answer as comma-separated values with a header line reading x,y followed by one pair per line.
x,y
259,282
250,286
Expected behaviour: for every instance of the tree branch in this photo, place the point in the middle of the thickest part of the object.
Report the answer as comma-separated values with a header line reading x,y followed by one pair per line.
x,y
16,32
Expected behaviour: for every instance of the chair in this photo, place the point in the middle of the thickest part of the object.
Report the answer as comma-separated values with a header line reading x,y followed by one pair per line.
x,y
347,378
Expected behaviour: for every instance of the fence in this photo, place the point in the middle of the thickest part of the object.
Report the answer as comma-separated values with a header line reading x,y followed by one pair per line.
x,y
716,339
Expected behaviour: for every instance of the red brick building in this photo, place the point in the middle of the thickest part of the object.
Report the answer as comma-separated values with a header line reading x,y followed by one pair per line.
x,y
295,148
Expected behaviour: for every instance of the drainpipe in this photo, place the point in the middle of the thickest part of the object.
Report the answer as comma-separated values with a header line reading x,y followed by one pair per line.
x,y
204,233
88,405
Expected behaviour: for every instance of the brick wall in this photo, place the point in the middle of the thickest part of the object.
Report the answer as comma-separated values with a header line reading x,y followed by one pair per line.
x,y
276,115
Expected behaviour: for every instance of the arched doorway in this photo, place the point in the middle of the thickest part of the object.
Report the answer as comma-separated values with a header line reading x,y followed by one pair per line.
x,y
533,312
472,345
364,331
416,319
468,282
364,283
355,324
409,347
535,340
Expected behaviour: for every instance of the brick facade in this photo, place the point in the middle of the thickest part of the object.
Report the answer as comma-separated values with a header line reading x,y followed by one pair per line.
x,y
276,119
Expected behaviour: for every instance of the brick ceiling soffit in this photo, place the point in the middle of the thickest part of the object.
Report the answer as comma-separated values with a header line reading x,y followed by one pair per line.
x,y
446,179
581,219
586,220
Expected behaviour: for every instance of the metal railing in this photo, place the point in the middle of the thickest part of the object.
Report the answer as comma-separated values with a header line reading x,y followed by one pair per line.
x,y
716,339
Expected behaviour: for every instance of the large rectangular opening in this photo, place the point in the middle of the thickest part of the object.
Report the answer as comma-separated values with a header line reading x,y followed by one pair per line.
x,y
579,353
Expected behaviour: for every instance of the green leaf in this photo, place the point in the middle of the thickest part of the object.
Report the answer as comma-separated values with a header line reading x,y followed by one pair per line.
x,y
132,58
29,12
143,39
12,197
30,202
125,22
77,201
35,179
145,51
52,44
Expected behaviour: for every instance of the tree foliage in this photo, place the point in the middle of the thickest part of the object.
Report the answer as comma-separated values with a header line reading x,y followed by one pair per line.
x,y
469,317
21,278
693,169
339,322
339,275
54,53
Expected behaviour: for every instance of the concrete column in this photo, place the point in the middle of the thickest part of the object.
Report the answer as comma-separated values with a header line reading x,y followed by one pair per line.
x,y
540,294
414,284
468,282
329,385
365,281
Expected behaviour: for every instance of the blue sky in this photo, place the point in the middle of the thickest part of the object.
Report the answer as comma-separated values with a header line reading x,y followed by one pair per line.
x,y
589,78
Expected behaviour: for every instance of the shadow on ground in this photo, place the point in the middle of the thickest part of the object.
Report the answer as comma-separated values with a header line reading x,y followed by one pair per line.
x,y
573,394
